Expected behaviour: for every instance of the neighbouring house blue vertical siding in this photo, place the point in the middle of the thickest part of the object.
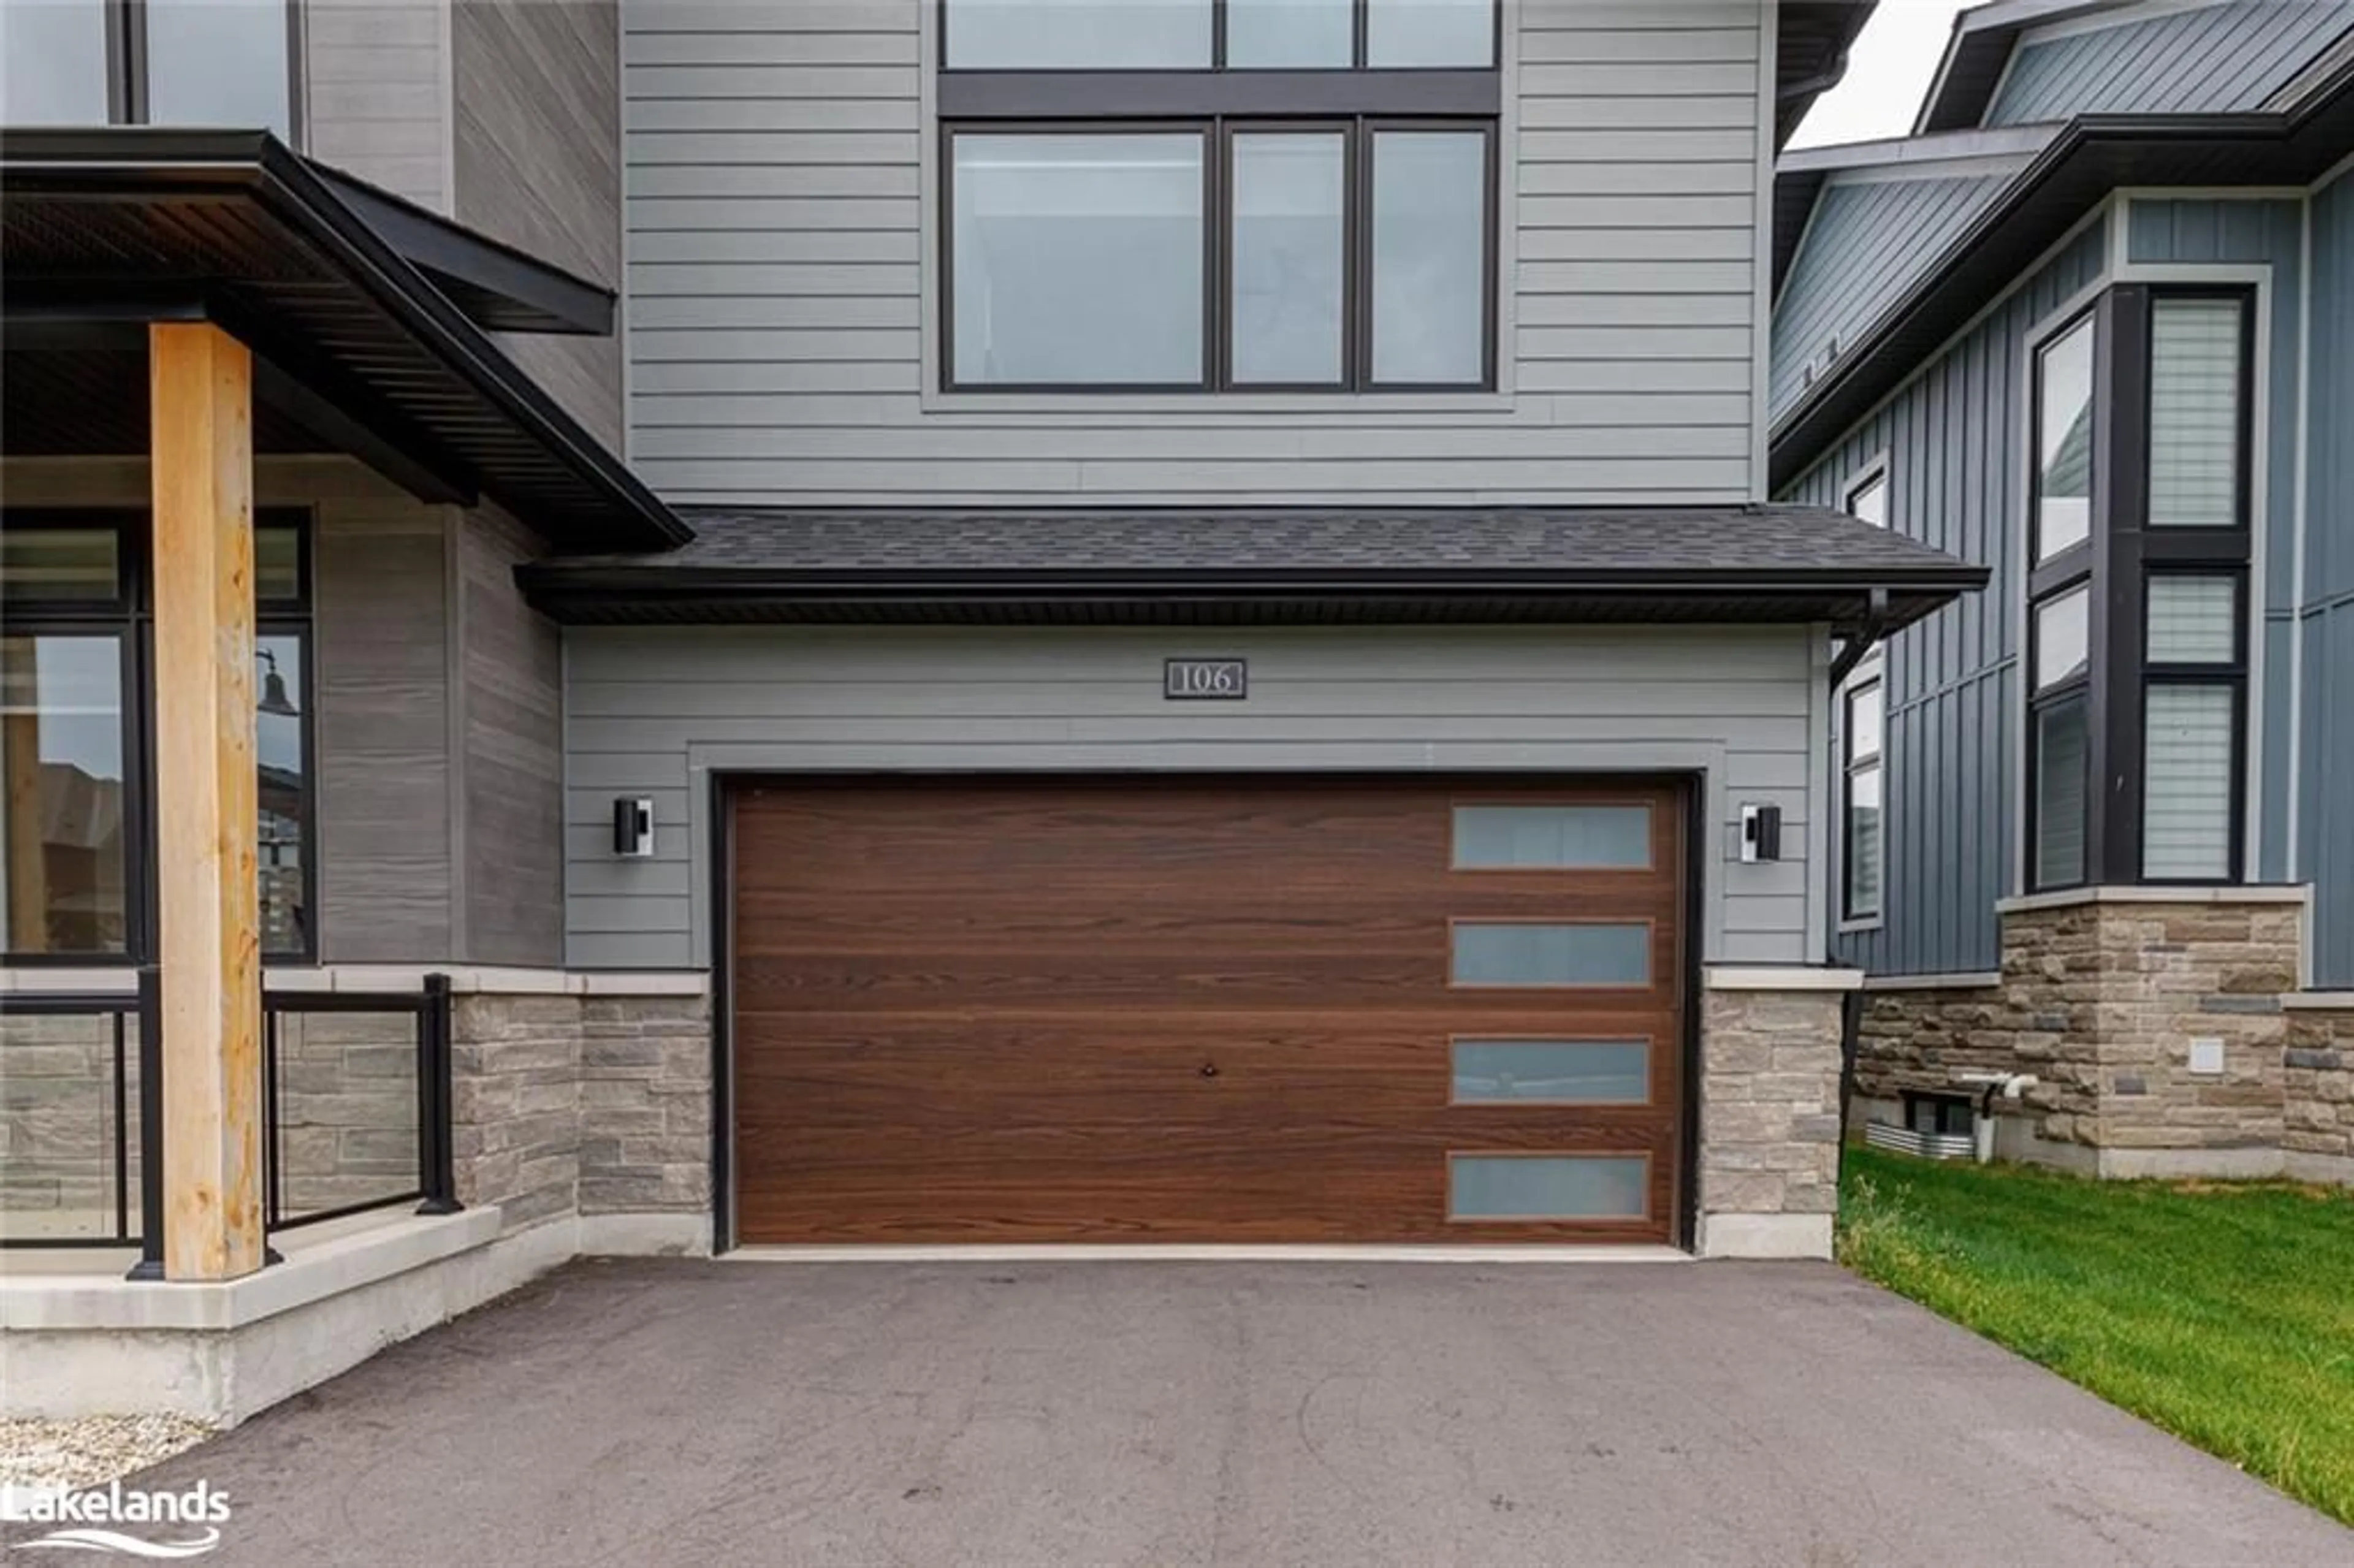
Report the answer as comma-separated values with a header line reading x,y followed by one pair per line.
x,y
2270,234
1952,440
2224,57
1864,244
2324,617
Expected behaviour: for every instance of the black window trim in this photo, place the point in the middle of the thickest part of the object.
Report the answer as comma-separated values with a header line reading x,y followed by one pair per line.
x,y
2116,565
1871,673
130,617
1216,133
1219,102
1361,32
128,94
1854,765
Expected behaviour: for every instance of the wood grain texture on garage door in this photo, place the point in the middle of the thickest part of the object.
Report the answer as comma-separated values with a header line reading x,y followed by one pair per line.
x,y
1157,1009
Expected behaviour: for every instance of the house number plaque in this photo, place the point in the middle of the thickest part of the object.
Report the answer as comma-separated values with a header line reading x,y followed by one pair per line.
x,y
1205,680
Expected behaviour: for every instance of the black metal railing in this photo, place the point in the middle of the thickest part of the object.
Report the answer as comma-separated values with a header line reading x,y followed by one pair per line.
x,y
328,1099
333,1066
90,1197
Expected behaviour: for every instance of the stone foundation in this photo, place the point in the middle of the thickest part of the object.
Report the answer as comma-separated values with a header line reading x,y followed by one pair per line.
x,y
2317,1139
1769,1121
2105,997
583,1104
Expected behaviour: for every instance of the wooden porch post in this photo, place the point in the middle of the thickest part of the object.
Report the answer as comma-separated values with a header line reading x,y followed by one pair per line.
x,y
210,947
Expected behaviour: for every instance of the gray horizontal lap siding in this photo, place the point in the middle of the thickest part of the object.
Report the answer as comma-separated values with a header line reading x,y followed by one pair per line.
x,y
1864,244
2326,616
652,712
2218,58
779,251
1952,440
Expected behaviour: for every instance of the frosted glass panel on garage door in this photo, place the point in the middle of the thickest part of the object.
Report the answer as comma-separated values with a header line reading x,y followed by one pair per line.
x,y
1547,1187
1556,1072
1596,838
1544,955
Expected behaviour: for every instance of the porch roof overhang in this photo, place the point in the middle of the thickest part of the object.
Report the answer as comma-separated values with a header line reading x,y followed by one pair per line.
x,y
1264,565
369,320
2090,157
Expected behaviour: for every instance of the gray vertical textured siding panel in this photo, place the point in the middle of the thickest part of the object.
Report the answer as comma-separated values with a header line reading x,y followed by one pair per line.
x,y
537,155
785,361
1951,439
376,92
512,736
2269,234
2325,618
2226,57
654,711
1864,244
385,849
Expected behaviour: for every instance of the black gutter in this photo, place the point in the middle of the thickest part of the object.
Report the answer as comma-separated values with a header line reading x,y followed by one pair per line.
x,y
655,581
2091,156
142,160
502,289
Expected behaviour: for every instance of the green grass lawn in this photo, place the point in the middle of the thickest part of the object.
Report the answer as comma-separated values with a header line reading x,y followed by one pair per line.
x,y
2221,1311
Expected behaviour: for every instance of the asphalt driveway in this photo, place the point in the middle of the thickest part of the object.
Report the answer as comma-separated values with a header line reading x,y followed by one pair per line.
x,y
652,1413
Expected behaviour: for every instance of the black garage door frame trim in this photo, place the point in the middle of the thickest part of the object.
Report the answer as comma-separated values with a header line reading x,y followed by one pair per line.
x,y
723,783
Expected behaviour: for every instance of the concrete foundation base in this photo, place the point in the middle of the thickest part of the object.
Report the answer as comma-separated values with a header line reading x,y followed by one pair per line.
x,y
1765,1235
75,1341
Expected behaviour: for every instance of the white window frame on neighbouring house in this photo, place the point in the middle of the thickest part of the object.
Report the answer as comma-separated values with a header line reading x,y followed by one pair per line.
x,y
1861,772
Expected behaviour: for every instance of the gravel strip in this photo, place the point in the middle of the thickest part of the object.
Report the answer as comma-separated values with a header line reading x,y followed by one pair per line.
x,y
92,1451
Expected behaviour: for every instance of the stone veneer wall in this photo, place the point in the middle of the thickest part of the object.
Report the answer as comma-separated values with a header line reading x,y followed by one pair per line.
x,y
1769,1122
2319,1093
2100,1000
593,1105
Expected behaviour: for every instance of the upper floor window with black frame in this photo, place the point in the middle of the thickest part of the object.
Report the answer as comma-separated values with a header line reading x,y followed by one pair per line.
x,y
1219,195
2063,441
217,63
76,856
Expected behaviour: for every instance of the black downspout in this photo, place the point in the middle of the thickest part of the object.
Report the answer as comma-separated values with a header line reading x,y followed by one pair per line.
x,y
1851,654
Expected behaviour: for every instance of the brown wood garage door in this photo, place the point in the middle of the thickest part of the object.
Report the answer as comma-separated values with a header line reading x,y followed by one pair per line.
x,y
1174,1009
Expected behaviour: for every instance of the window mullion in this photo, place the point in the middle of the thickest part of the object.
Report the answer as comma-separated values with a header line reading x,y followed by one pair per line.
x,y
2121,501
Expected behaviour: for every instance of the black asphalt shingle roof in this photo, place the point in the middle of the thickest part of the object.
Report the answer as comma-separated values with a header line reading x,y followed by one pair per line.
x,y
1583,540
1735,562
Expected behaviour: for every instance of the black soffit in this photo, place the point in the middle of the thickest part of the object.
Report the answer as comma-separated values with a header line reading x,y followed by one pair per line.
x,y
2090,157
1264,565
111,227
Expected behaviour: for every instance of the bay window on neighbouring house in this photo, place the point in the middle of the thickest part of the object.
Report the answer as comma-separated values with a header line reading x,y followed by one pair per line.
x,y
1219,195
2138,592
76,857
214,63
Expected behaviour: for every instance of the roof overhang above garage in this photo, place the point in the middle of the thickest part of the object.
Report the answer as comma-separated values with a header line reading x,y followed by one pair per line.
x,y
370,319
1266,566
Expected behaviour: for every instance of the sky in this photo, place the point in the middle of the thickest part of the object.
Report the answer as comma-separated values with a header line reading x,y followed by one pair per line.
x,y
1887,72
